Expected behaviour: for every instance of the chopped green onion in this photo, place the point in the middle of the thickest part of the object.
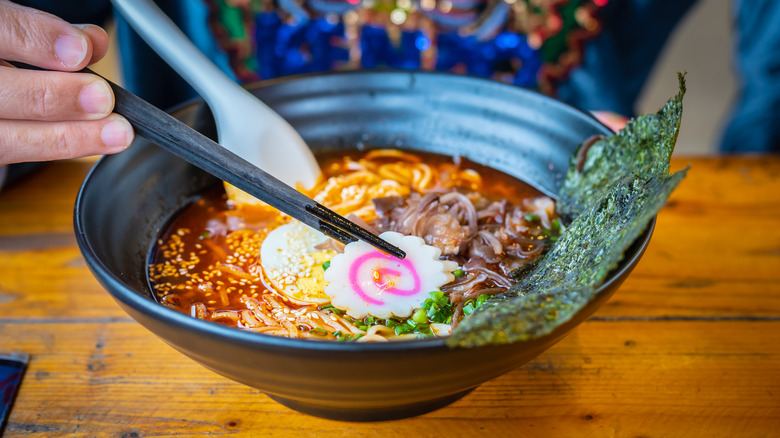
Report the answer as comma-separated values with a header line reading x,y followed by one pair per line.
x,y
338,334
556,224
319,331
438,307
472,305
532,218
419,316
205,235
351,320
423,328
326,265
403,329
458,272
331,308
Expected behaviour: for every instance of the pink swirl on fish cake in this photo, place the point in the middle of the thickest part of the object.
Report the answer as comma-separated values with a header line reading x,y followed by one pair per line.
x,y
387,286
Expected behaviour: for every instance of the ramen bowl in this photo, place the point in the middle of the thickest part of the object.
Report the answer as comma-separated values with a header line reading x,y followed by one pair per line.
x,y
127,199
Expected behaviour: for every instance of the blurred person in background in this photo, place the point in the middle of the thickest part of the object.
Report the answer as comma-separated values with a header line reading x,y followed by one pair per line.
x,y
593,54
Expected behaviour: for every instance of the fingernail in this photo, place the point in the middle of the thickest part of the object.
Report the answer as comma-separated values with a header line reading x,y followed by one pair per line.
x,y
70,50
95,98
117,133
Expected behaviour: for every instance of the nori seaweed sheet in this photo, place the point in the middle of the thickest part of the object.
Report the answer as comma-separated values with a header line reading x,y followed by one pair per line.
x,y
623,185
568,276
644,147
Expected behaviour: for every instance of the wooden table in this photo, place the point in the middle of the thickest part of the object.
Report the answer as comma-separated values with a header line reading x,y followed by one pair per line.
x,y
690,345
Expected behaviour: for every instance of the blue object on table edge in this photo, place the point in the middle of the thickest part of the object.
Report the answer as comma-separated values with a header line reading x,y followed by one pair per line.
x,y
12,366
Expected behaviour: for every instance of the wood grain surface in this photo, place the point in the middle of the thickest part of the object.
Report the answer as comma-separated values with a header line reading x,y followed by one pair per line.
x,y
689,346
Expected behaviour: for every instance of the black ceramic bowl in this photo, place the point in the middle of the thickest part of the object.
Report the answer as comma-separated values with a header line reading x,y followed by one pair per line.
x,y
128,198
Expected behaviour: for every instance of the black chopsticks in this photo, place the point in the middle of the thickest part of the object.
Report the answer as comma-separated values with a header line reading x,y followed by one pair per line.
x,y
176,137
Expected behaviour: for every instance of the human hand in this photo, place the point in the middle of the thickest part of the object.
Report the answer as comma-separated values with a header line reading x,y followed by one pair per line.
x,y
614,121
48,115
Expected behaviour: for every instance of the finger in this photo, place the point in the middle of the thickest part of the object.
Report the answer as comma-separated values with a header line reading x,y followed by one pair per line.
x,y
37,38
22,141
614,121
99,39
53,95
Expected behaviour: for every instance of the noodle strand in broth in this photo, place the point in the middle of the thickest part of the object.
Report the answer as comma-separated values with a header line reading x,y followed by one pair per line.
x,y
207,263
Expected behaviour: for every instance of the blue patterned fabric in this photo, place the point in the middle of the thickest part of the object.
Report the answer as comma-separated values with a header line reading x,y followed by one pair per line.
x,y
485,38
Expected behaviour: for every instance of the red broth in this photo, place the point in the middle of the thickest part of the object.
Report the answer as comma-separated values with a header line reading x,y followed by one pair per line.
x,y
207,263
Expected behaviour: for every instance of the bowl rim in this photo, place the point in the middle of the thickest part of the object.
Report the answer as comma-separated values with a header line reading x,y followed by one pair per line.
x,y
149,307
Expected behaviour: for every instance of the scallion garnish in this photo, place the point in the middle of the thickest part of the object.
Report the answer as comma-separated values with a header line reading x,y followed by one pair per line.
x,y
419,316
331,308
402,329
556,224
438,307
423,329
472,305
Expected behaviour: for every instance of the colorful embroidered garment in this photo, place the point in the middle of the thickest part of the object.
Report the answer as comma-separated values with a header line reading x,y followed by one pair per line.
x,y
530,43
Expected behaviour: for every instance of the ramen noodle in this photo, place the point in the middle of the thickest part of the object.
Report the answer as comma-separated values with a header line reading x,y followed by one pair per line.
x,y
254,268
